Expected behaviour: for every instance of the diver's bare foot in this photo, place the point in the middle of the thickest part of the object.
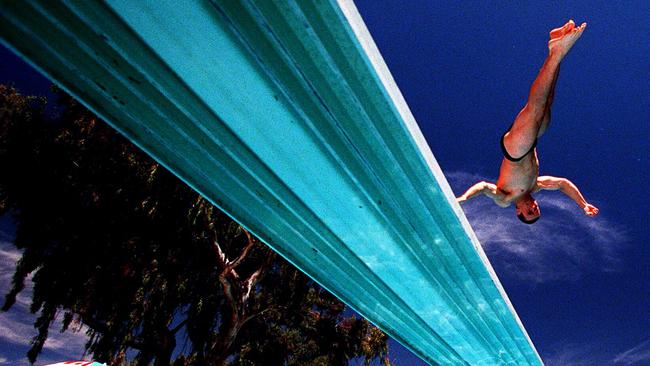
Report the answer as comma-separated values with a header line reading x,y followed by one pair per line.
x,y
563,38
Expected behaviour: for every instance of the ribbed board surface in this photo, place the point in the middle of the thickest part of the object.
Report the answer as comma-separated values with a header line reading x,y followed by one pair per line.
x,y
284,115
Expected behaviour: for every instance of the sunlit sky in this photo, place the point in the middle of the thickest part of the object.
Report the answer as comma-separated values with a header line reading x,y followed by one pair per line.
x,y
580,285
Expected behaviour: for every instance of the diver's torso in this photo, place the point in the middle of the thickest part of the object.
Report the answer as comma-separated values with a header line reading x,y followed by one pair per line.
x,y
518,178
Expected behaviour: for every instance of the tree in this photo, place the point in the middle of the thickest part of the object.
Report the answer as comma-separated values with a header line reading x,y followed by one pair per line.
x,y
119,244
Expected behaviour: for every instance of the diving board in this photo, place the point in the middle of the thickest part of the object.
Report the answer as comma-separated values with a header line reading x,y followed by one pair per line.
x,y
284,115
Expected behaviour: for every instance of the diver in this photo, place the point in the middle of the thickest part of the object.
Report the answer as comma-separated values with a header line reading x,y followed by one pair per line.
x,y
519,173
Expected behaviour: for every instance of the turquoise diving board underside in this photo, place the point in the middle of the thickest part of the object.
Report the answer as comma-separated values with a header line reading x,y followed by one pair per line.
x,y
284,115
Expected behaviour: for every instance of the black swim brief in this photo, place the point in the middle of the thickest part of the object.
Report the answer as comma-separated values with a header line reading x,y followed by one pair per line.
x,y
508,156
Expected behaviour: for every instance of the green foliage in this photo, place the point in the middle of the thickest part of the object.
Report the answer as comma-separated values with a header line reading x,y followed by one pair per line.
x,y
118,244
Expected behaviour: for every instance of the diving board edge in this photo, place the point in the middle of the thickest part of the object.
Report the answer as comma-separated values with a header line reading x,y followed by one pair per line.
x,y
374,56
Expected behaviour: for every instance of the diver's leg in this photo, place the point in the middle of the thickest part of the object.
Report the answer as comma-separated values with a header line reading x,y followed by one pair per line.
x,y
528,123
549,102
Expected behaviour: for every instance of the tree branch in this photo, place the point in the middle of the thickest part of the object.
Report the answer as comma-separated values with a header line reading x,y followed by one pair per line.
x,y
220,255
244,252
253,316
230,297
257,276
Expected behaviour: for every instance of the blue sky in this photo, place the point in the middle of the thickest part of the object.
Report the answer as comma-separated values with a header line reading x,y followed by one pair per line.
x,y
580,285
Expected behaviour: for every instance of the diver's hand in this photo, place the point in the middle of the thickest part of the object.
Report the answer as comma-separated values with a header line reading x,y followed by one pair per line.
x,y
591,210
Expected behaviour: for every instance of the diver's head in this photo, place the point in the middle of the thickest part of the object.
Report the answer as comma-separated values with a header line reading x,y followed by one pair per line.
x,y
527,209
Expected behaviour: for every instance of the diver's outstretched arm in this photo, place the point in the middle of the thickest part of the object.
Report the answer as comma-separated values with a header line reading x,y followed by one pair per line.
x,y
486,188
567,187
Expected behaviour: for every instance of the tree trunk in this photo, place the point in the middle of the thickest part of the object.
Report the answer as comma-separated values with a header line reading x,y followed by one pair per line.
x,y
165,348
222,349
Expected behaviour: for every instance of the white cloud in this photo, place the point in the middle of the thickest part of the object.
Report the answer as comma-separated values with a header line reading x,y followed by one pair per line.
x,y
639,354
577,355
68,343
563,245
9,256
16,325
596,355
14,328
